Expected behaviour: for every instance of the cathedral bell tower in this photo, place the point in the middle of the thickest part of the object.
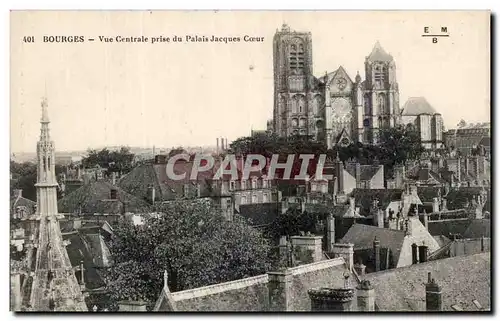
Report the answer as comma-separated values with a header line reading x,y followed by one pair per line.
x,y
293,83
381,93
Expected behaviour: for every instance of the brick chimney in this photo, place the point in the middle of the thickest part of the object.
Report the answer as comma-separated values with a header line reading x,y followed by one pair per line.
x,y
435,205
308,243
339,174
134,306
414,253
217,145
280,290
366,296
330,232
327,299
18,193
422,253
376,252
345,251
433,295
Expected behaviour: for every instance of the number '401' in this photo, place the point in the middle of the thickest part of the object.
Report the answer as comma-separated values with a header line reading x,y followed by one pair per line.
x,y
28,39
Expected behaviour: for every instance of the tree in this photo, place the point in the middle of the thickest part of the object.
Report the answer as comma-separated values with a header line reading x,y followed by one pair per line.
x,y
114,161
192,242
24,177
176,151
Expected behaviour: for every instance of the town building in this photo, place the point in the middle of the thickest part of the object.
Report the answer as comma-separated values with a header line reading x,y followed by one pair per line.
x,y
418,113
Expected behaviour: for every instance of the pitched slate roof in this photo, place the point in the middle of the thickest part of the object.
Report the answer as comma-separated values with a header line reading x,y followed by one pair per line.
x,y
94,197
415,106
379,54
463,279
362,236
478,228
427,176
18,201
365,197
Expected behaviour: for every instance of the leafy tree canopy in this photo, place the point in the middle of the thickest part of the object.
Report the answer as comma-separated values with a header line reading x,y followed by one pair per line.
x,y
24,177
115,161
192,242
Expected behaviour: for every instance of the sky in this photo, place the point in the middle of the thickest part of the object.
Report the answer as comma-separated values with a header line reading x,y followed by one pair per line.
x,y
190,93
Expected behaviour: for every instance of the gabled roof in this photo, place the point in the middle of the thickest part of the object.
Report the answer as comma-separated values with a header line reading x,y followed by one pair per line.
x,y
18,201
362,236
365,197
366,171
462,279
478,228
94,197
379,54
415,106
427,176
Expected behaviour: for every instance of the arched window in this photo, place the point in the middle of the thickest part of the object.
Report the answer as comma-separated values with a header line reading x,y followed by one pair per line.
x,y
243,199
254,199
297,56
295,122
382,104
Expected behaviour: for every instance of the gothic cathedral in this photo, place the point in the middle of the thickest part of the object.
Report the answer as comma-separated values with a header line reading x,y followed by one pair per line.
x,y
333,108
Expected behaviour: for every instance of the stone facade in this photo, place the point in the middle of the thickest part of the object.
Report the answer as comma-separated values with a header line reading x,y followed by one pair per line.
x,y
333,108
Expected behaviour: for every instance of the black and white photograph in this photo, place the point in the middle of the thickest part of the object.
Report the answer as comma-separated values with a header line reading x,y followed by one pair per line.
x,y
250,161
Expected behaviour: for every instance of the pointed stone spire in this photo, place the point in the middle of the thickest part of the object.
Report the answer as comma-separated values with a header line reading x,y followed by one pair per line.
x,y
379,54
52,284
45,113
358,77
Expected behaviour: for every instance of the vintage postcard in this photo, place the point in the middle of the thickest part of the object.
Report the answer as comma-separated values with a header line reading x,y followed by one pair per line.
x,y
250,161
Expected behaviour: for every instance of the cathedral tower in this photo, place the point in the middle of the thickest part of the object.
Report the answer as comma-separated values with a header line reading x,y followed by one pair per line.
x,y
293,83
381,93
54,286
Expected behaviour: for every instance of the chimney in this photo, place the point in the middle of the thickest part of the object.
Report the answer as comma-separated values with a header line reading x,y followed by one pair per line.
x,y
345,251
151,194
426,220
113,194
18,193
113,178
283,251
330,232
352,207
435,205
366,296
82,277
78,173
444,205
360,268
422,253
326,299
133,306
280,290
217,145
358,173
414,253
433,295
376,252
308,244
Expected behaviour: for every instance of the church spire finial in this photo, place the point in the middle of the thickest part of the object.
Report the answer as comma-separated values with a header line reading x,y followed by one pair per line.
x,y
45,113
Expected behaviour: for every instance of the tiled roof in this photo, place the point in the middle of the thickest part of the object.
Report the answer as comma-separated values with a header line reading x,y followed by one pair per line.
x,y
366,171
94,197
21,201
463,279
362,236
365,197
415,106
448,228
478,228
426,176
379,54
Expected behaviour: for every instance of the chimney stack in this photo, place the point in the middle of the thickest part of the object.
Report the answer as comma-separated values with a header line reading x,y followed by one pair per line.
x,y
151,194
435,205
113,178
326,299
345,251
366,296
433,295
426,220
280,290
376,251
422,253
414,253
217,144
358,174
309,243
339,174
283,251
330,232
